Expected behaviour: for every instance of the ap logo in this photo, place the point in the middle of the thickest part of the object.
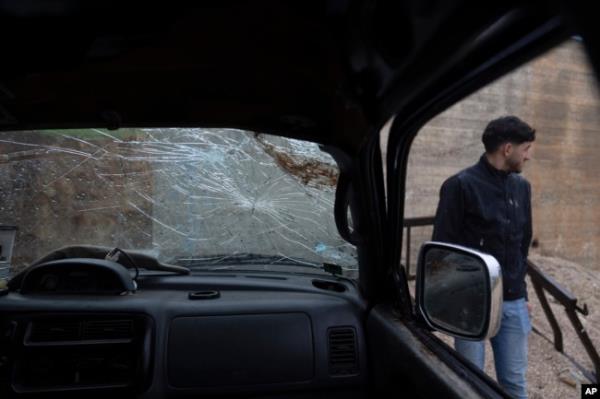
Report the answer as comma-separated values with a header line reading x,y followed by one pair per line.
x,y
590,391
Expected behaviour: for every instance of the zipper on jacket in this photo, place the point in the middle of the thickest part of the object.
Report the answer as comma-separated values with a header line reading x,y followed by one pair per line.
x,y
505,225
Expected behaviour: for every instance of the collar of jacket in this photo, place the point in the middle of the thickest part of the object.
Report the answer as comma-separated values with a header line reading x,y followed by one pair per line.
x,y
485,164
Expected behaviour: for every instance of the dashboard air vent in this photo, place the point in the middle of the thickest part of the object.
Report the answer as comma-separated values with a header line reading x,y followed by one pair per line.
x,y
343,355
107,329
55,331
76,331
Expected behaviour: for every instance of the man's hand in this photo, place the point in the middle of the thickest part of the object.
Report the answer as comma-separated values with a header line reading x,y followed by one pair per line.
x,y
529,308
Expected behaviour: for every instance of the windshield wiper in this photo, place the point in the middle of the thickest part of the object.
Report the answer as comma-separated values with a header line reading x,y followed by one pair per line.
x,y
218,261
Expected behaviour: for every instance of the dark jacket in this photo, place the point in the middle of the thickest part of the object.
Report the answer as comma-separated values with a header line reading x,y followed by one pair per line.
x,y
489,210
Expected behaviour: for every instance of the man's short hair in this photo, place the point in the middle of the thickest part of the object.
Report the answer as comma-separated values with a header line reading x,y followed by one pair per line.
x,y
507,129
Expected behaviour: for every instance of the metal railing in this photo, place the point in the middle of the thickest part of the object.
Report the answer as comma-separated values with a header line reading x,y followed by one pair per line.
x,y
409,223
542,283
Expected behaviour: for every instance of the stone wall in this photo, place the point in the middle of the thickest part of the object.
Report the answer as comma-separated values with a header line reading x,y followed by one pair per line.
x,y
557,95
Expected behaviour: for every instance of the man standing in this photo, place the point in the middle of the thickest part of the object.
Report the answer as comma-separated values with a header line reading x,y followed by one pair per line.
x,y
488,207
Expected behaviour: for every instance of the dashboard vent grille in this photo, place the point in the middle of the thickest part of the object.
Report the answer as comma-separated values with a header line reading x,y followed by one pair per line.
x,y
43,332
343,354
53,331
107,329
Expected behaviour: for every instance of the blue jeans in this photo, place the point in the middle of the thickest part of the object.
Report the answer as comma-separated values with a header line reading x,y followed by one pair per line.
x,y
510,348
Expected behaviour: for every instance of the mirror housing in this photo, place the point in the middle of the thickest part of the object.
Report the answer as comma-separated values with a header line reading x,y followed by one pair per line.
x,y
459,290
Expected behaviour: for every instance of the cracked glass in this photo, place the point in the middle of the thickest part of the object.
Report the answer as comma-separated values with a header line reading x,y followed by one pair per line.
x,y
180,195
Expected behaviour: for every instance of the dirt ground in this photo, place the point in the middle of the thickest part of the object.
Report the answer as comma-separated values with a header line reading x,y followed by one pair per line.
x,y
551,375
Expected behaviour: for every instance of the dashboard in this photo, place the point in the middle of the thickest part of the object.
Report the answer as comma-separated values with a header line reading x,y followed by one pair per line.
x,y
227,333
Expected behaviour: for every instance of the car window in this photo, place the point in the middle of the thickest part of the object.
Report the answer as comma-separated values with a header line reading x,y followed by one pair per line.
x,y
557,94
196,195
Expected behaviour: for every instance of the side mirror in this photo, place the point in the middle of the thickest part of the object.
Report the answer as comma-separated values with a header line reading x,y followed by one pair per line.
x,y
459,290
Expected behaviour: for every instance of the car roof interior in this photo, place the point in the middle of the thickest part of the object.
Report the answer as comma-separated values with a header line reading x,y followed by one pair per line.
x,y
326,71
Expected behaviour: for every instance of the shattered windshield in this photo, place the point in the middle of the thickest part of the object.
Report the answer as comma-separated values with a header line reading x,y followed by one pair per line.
x,y
181,195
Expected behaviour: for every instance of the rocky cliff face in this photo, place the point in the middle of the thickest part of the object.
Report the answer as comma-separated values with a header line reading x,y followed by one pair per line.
x,y
57,192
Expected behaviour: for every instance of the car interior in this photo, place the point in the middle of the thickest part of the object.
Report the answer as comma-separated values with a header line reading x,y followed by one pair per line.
x,y
91,320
